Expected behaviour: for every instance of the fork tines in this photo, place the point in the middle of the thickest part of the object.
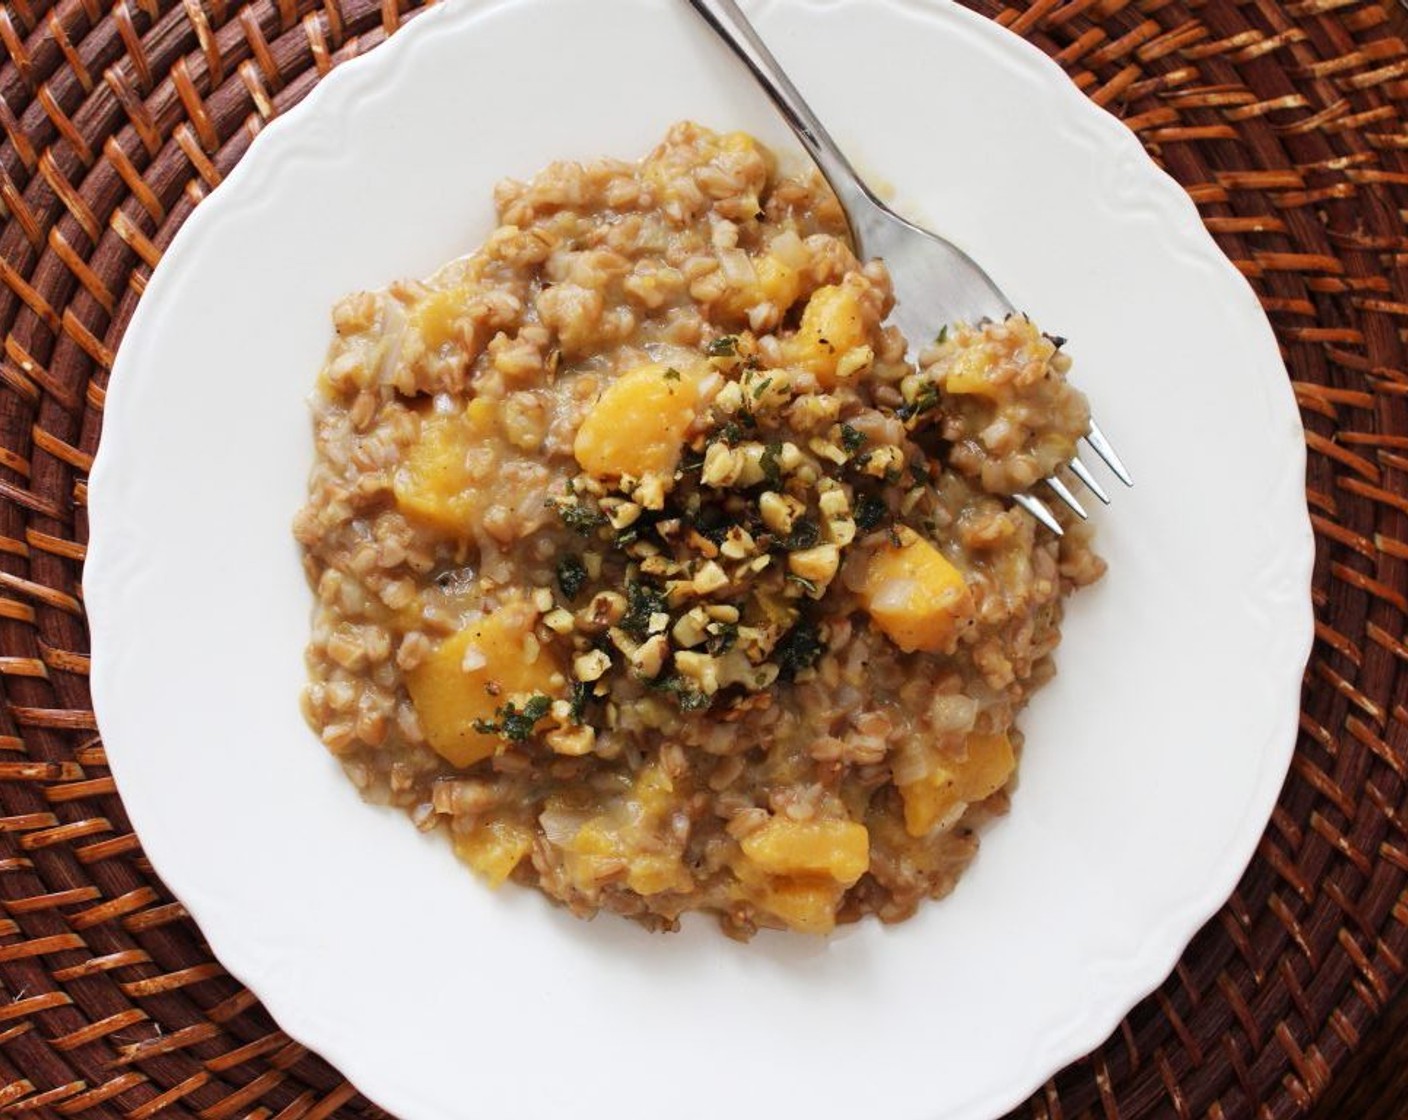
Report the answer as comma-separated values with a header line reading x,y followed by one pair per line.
x,y
1105,450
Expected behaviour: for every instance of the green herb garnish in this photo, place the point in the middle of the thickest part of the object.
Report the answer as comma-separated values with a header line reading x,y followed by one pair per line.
x,y
869,512
772,468
581,519
571,576
713,524
686,697
723,639
805,533
851,440
799,649
581,693
642,601
725,346
926,400
801,581
692,700
515,724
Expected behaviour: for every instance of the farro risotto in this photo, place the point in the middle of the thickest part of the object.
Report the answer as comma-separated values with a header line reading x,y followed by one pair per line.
x,y
648,566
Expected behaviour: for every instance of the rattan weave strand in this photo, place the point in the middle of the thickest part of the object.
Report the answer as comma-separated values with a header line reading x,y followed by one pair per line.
x,y
1284,121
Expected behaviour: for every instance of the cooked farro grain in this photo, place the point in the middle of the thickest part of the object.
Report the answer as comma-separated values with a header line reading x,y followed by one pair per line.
x,y
648,566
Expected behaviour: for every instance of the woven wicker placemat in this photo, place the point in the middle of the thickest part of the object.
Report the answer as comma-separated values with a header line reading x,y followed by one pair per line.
x,y
1284,121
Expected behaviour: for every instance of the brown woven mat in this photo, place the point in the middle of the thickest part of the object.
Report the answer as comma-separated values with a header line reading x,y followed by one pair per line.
x,y
1373,1084
1285,121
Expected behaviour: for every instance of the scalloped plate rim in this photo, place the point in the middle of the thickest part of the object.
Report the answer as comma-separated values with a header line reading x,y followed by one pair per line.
x,y
1161,950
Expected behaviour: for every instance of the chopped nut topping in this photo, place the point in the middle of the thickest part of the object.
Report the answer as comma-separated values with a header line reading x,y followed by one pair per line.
x,y
591,666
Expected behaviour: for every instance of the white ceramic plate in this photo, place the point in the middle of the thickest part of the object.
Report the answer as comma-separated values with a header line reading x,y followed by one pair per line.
x,y
1152,762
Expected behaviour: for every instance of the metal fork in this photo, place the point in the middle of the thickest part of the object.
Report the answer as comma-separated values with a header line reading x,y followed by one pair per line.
x,y
936,282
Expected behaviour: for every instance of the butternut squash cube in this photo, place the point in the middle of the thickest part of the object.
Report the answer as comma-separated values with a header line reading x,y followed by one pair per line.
x,y
628,837
653,794
432,485
657,873
775,282
836,849
929,800
594,854
597,838
473,673
436,316
495,848
637,426
806,905
832,324
968,373
778,283
990,763
915,595
482,417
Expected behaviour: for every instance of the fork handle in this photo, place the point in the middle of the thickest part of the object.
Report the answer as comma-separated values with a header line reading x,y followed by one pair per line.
x,y
730,24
